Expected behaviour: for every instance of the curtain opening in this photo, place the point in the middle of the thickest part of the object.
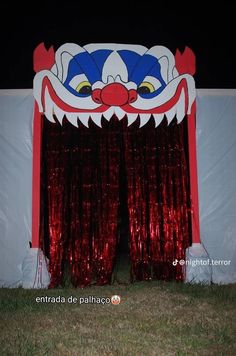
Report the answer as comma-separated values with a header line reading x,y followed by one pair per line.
x,y
114,197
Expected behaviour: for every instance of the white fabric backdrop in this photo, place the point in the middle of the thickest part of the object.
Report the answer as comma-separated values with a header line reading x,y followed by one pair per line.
x,y
216,149
16,110
216,146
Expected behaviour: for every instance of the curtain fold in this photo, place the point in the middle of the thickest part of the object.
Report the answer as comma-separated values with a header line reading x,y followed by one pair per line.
x,y
81,179
158,199
80,191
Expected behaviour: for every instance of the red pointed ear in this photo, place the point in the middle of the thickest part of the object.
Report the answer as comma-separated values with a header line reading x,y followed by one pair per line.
x,y
185,62
43,58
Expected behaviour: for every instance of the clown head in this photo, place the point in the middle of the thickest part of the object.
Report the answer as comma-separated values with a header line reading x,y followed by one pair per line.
x,y
82,83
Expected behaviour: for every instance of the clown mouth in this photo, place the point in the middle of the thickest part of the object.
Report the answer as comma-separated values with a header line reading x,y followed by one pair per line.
x,y
177,106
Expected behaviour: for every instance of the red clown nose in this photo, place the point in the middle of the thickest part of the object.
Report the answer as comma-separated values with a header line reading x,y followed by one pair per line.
x,y
114,94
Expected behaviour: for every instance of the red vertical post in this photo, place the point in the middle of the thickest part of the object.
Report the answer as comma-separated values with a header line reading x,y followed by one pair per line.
x,y
192,145
37,136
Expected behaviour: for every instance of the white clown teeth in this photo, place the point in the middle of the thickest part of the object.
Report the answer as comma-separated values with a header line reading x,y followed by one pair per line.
x,y
51,109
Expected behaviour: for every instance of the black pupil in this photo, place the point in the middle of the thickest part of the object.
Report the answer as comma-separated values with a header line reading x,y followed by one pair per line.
x,y
86,89
143,90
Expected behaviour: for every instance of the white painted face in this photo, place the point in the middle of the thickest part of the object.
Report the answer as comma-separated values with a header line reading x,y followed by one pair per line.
x,y
109,79
115,299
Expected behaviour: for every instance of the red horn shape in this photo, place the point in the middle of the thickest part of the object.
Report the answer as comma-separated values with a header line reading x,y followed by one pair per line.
x,y
43,58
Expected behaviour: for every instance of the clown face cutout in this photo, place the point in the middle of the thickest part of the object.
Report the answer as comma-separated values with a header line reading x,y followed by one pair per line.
x,y
86,83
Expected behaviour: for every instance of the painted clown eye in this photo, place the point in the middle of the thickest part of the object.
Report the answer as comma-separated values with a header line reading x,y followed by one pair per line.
x,y
145,88
84,88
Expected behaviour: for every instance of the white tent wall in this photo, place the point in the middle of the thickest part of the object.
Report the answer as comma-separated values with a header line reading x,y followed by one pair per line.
x,y
216,149
16,112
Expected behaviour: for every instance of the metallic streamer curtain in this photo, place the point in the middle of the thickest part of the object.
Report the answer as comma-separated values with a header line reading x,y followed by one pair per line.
x,y
80,185
158,200
81,171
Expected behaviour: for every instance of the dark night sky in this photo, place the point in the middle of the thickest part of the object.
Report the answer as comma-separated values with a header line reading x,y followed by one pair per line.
x,y
210,33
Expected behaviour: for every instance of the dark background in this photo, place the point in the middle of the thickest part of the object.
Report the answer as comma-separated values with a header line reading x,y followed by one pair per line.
x,y
209,32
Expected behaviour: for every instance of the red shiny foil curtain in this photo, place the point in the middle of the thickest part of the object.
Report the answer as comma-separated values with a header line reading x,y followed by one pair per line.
x,y
158,200
80,199
80,184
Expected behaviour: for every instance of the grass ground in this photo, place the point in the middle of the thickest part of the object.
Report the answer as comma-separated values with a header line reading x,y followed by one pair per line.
x,y
153,318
